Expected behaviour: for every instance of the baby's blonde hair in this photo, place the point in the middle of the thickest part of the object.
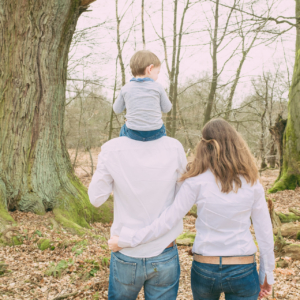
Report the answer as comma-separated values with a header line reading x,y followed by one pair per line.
x,y
141,60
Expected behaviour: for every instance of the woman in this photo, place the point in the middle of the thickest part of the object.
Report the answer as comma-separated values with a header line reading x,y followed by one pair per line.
x,y
223,182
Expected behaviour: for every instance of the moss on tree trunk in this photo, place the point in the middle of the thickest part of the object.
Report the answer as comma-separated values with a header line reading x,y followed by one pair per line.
x,y
289,177
35,170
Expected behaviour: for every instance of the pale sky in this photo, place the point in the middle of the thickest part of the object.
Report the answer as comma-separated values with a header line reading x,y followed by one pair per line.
x,y
195,58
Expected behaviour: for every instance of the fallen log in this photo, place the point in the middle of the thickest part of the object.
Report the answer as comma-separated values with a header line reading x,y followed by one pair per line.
x,y
289,230
292,251
294,211
287,218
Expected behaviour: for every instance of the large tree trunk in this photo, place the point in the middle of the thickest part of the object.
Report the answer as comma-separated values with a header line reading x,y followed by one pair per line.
x,y
290,172
35,170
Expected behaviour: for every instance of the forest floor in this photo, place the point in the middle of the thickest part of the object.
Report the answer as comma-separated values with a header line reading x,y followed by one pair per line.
x,y
78,267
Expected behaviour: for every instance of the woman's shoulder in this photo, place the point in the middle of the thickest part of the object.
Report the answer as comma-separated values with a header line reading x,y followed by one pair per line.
x,y
203,178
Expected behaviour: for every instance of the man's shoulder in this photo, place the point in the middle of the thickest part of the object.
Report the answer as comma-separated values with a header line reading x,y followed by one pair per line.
x,y
122,143
173,142
113,143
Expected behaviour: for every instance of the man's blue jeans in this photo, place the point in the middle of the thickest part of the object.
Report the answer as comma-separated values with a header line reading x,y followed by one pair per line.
x,y
143,136
238,282
158,275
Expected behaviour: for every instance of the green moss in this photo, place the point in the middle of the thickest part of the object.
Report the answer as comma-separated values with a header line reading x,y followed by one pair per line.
x,y
16,241
193,211
298,235
187,238
63,218
5,216
44,244
190,235
75,211
286,218
289,177
285,183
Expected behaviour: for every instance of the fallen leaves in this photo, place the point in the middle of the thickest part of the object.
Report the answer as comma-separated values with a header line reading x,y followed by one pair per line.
x,y
85,270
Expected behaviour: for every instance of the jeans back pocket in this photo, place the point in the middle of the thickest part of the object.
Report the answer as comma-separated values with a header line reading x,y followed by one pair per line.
x,y
124,272
202,283
166,272
245,284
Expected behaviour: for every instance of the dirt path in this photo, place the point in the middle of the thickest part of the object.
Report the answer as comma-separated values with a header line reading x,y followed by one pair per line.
x,y
79,266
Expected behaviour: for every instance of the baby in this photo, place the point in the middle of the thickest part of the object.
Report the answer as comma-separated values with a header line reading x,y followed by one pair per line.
x,y
144,99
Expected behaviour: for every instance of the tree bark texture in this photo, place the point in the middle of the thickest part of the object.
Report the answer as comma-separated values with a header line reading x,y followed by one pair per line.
x,y
290,173
263,127
277,131
35,169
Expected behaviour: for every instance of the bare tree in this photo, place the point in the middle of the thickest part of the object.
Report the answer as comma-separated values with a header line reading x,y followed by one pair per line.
x,y
143,24
216,42
119,19
173,68
244,51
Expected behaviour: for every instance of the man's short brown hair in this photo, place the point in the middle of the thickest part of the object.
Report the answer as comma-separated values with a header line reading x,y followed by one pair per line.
x,y
141,60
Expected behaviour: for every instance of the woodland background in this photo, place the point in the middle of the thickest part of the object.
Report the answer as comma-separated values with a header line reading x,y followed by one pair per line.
x,y
62,65
249,61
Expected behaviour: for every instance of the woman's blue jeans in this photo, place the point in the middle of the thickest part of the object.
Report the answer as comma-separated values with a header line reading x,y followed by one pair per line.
x,y
158,275
144,136
238,282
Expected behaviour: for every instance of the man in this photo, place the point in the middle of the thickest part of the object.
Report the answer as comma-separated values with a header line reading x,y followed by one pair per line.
x,y
143,177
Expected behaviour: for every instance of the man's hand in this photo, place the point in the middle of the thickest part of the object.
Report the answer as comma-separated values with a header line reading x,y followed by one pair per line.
x,y
113,244
265,289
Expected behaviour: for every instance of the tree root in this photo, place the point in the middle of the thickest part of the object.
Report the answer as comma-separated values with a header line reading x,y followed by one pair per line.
x,y
285,182
294,211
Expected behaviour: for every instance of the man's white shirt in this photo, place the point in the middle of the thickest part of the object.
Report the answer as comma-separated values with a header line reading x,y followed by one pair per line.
x,y
223,223
144,179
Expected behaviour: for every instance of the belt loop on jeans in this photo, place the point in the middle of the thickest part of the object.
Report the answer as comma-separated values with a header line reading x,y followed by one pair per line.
x,y
226,260
220,262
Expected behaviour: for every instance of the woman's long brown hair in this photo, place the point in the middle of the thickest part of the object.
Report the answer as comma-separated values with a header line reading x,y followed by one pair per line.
x,y
226,154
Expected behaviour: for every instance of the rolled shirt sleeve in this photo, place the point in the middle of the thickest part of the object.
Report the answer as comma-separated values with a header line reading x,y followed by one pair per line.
x,y
264,234
101,185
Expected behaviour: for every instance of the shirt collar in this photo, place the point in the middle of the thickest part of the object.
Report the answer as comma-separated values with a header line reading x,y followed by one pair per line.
x,y
141,79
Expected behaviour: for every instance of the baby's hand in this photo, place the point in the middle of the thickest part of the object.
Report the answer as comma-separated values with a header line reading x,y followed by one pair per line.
x,y
113,244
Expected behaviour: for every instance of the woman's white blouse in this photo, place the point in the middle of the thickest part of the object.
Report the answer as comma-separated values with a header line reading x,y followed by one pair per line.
x,y
223,223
